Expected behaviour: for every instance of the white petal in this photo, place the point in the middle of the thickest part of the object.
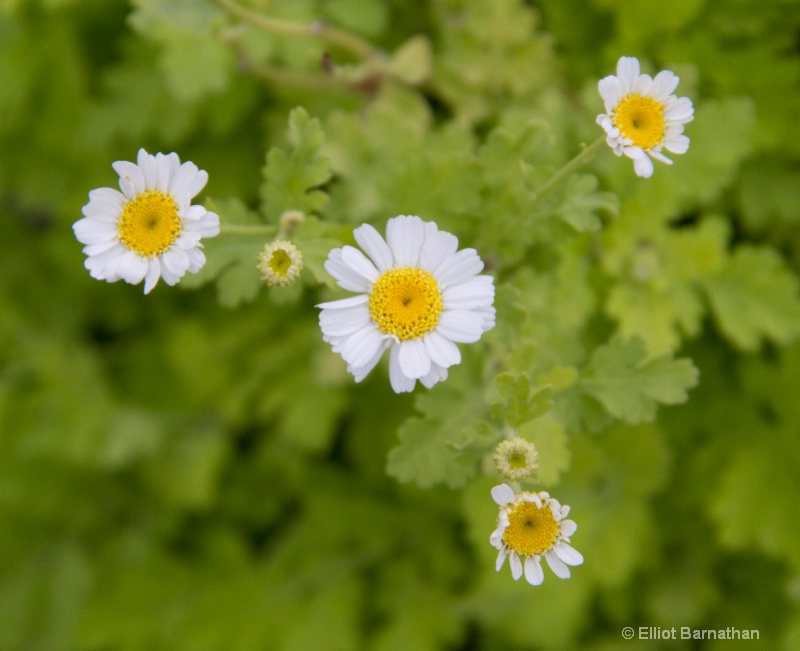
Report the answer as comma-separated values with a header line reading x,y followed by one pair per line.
x,y
131,178
488,314
557,565
657,155
405,236
132,267
665,82
460,326
643,166
362,346
361,372
677,144
105,204
153,274
611,90
503,494
628,72
516,566
533,570
345,276
475,292
207,225
91,231
436,374
568,527
437,248
147,164
164,167
345,303
414,359
568,554
679,110
458,268
196,259
643,85
441,350
374,246
337,323
359,263
175,261
501,559
400,383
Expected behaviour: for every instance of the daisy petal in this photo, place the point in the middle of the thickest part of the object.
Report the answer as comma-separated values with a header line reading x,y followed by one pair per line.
x,y
374,246
567,554
414,359
557,565
503,494
533,570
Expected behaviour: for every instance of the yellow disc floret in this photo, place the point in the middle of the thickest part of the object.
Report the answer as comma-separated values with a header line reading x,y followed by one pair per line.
x,y
149,223
405,302
280,263
641,119
531,530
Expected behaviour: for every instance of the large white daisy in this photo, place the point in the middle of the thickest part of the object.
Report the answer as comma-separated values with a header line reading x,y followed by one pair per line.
x,y
643,116
418,297
532,525
150,230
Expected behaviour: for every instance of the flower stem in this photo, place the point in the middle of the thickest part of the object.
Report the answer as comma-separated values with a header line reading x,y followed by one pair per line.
x,y
344,39
584,156
245,229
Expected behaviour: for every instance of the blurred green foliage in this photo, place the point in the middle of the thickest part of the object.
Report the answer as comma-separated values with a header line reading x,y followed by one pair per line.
x,y
195,470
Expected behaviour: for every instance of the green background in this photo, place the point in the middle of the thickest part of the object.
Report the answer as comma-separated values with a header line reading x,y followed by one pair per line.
x,y
195,470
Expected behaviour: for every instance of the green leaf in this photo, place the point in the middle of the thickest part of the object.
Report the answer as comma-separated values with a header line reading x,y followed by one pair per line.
x,y
231,257
436,449
518,403
550,439
582,203
292,178
630,386
755,296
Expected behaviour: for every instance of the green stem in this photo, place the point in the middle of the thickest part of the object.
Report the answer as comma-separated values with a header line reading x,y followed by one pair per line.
x,y
245,229
585,156
350,42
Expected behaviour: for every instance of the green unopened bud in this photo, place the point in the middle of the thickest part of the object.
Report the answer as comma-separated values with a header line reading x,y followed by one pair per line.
x,y
516,458
279,263
290,220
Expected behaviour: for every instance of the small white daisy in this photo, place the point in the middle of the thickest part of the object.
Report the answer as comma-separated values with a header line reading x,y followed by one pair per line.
x,y
516,458
150,230
418,296
532,525
642,115
280,263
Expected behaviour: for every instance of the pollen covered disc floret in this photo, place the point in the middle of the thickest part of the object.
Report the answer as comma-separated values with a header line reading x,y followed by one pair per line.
x,y
643,116
150,229
417,295
531,526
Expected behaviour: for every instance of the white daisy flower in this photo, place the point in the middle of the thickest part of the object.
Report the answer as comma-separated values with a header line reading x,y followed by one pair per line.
x,y
280,263
516,458
532,525
417,296
642,115
150,230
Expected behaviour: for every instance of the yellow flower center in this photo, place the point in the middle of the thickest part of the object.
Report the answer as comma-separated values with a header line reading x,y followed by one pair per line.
x,y
280,263
405,302
641,119
149,223
517,460
530,530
